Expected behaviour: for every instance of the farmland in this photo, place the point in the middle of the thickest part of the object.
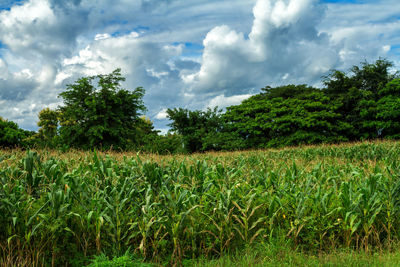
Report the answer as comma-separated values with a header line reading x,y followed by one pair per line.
x,y
64,208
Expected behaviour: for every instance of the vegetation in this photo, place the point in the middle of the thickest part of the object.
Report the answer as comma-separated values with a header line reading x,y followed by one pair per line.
x,y
266,255
362,104
98,113
308,118
12,136
62,208
203,130
100,117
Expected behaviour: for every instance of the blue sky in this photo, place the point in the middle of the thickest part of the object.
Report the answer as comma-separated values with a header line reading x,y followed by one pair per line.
x,y
7,4
185,53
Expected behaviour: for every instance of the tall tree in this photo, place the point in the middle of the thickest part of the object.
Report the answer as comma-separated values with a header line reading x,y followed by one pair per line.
x,y
388,110
12,136
358,90
48,127
309,116
202,130
100,115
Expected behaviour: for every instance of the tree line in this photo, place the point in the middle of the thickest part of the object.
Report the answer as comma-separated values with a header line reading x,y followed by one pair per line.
x,y
363,103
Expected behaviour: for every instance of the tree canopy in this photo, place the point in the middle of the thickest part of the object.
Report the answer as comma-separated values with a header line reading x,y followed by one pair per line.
x,y
360,104
308,117
105,115
363,103
11,135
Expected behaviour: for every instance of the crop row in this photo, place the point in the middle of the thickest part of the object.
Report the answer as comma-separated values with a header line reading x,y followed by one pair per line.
x,y
52,212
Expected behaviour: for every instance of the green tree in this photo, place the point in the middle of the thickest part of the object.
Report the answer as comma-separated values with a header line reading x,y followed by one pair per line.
x,y
12,136
48,127
147,136
193,125
287,91
388,110
305,118
358,90
202,130
104,116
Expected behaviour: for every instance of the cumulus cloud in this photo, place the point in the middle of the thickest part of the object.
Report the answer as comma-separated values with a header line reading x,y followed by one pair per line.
x,y
36,30
17,86
222,101
162,114
142,61
283,43
361,34
24,93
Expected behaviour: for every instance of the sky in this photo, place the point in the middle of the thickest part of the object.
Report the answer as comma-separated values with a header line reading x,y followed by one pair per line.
x,y
192,54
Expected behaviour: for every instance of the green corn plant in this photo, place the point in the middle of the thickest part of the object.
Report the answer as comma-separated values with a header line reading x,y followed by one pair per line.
x,y
349,202
149,225
117,206
221,220
274,213
178,206
31,165
369,206
248,227
391,202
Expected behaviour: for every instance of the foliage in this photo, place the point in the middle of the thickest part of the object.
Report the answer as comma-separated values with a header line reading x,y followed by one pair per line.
x,y
287,91
165,144
204,130
388,110
352,106
194,126
12,136
168,209
305,118
48,127
106,116
150,140
123,261
358,91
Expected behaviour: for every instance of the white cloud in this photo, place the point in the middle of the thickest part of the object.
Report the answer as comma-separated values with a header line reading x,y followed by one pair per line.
x,y
162,114
3,69
101,36
360,33
222,101
34,30
141,60
283,42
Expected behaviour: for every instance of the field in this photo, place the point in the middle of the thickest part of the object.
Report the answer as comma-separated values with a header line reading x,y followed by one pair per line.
x,y
61,209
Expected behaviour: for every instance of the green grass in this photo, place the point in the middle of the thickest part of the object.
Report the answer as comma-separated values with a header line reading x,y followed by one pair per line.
x,y
286,257
65,208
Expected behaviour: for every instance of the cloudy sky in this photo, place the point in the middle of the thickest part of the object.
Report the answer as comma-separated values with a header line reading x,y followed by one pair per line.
x,y
186,53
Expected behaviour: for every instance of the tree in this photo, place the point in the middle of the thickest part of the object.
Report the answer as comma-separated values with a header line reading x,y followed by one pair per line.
x,y
388,110
358,93
287,91
306,118
11,135
202,130
104,116
48,127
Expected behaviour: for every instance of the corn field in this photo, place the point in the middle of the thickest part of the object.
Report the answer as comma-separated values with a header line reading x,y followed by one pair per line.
x,y
57,208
